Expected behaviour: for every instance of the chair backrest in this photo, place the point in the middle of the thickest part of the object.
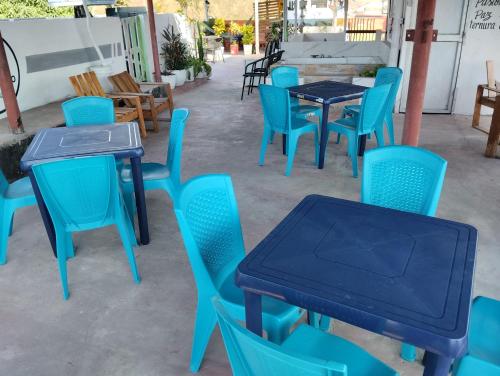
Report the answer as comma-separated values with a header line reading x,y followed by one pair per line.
x,y
80,193
209,223
276,107
405,178
392,76
250,354
174,152
123,82
373,108
285,77
88,111
87,84
484,329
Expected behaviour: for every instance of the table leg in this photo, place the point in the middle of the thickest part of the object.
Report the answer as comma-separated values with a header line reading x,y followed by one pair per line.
x,y
140,199
253,312
362,145
324,135
437,365
47,220
284,143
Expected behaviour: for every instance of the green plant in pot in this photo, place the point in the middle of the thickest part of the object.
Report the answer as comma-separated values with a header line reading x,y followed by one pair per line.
x,y
235,31
175,54
248,38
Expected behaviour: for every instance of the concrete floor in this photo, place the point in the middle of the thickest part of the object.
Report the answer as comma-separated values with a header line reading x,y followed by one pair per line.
x,y
111,326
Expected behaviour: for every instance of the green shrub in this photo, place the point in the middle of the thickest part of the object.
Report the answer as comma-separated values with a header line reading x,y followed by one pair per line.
x,y
248,34
174,50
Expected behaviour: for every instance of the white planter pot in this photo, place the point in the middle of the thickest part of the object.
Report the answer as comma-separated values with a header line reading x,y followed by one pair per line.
x,y
364,81
170,79
202,74
180,77
222,51
190,74
247,49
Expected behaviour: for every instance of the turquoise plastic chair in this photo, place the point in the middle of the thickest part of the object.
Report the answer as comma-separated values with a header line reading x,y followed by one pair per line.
x,y
12,197
483,356
278,118
405,178
209,223
156,175
307,351
370,119
88,111
386,75
286,77
82,194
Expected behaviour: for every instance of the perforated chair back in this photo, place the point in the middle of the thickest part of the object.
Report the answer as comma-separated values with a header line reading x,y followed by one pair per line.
x,y
405,178
276,107
250,354
80,193
209,223
174,151
285,77
373,107
88,111
392,76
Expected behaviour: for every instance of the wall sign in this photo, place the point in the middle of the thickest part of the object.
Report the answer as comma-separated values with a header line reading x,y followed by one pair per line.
x,y
485,15
14,71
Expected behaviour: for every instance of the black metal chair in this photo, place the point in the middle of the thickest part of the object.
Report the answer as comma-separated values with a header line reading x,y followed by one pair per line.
x,y
259,68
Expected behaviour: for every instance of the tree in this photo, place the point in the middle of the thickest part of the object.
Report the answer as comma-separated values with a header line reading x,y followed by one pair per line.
x,y
32,9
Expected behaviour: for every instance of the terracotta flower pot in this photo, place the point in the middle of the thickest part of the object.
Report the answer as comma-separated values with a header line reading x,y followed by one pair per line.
x,y
235,49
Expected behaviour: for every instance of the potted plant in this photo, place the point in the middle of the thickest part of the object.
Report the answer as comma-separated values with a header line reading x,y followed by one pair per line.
x,y
366,77
248,38
175,54
190,68
169,78
235,31
220,29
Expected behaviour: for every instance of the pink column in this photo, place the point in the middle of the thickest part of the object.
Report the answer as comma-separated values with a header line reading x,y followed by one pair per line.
x,y
154,42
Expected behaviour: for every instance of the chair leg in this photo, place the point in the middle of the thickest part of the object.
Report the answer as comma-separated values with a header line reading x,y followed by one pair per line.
x,y
70,248
203,328
265,140
61,245
379,134
390,128
154,114
338,138
353,153
408,352
277,333
271,138
124,231
128,198
291,148
251,85
11,228
5,226
243,88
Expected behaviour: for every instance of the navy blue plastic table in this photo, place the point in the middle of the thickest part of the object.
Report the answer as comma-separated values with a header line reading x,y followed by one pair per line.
x,y
398,274
121,140
327,93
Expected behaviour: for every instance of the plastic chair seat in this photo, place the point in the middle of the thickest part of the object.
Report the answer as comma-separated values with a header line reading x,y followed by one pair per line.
x,y
304,125
342,123
233,294
150,171
312,342
471,366
19,189
352,109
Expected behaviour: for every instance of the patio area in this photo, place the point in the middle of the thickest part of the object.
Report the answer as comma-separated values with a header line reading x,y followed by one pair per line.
x,y
110,326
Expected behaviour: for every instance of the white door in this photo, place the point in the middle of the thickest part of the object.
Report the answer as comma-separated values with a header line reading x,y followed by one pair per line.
x,y
445,55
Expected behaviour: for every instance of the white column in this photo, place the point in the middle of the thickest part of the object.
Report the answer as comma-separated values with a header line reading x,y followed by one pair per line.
x,y
256,16
285,21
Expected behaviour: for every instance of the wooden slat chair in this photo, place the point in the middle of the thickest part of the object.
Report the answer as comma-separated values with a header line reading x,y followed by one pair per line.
x,y
492,102
87,84
151,106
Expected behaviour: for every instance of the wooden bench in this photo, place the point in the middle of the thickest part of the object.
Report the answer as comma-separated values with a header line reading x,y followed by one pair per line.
x,y
494,131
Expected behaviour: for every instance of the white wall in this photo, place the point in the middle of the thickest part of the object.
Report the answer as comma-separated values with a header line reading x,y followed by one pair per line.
x,y
41,36
479,45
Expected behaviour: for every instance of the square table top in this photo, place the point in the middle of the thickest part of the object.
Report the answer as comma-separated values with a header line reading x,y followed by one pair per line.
x,y
121,139
403,275
327,91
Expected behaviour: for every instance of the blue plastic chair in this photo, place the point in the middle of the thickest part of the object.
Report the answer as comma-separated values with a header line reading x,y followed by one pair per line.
x,y
405,178
278,118
483,356
209,223
307,351
82,194
386,75
88,111
156,175
286,77
370,119
12,197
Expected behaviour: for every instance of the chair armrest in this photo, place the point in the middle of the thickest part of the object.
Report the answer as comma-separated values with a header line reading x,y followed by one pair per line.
x,y
486,87
122,96
133,94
